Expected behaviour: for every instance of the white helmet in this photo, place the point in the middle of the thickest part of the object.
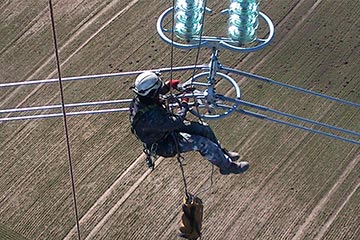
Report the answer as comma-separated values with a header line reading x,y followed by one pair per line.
x,y
146,82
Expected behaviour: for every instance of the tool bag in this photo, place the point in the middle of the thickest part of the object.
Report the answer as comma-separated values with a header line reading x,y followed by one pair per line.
x,y
191,218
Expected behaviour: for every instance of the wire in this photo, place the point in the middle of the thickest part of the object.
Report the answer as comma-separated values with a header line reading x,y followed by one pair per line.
x,y
199,191
96,76
171,58
200,38
262,116
179,157
64,118
71,105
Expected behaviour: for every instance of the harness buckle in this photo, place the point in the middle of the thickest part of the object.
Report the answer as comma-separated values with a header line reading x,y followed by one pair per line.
x,y
150,153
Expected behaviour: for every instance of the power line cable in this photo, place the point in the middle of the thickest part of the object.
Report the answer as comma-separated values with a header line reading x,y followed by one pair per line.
x,y
64,118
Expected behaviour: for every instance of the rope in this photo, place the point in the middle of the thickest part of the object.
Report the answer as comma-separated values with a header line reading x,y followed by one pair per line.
x,y
171,60
178,156
197,59
172,45
193,95
64,118
179,159
211,182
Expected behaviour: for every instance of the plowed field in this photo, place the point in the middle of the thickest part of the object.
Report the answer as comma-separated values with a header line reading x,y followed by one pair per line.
x,y
300,185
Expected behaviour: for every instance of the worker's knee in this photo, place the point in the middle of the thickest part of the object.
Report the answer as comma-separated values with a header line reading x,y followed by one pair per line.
x,y
166,150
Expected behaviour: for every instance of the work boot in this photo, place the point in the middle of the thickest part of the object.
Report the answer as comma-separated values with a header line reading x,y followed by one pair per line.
x,y
232,155
235,168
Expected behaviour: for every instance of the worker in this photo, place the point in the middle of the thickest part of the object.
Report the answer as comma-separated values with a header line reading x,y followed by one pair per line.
x,y
167,134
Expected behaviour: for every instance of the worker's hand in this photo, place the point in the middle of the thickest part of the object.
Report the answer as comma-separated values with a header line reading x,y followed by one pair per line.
x,y
184,104
173,83
185,101
186,91
183,110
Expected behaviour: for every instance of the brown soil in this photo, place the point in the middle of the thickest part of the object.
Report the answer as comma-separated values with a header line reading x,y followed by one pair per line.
x,y
300,185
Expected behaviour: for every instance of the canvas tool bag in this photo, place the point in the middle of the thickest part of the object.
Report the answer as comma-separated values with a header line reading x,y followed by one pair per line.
x,y
191,218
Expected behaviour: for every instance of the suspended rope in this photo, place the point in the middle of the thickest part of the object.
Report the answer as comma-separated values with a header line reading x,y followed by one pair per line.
x,y
211,182
64,118
178,156
180,159
172,45
197,59
192,208
200,38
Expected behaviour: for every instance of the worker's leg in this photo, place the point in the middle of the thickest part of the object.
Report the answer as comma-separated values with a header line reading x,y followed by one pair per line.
x,y
189,142
185,142
203,129
200,129
207,148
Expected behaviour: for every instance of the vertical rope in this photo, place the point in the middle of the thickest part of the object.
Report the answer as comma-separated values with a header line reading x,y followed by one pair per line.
x,y
64,118
197,59
178,156
171,57
179,159
172,45
200,38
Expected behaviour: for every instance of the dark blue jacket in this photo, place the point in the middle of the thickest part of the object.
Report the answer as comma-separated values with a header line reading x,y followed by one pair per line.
x,y
152,123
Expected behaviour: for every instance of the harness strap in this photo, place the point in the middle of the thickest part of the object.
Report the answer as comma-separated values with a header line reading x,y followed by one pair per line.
x,y
150,154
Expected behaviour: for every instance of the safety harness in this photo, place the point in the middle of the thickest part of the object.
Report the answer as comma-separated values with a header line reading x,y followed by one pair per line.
x,y
135,115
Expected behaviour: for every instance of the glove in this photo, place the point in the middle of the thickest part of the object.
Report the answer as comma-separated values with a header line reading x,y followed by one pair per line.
x,y
173,83
184,91
184,104
184,109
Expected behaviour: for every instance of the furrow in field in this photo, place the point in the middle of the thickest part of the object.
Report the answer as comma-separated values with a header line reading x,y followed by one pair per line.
x,y
284,161
103,198
250,140
25,32
68,43
130,191
334,216
267,184
83,28
120,202
320,205
42,19
275,47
